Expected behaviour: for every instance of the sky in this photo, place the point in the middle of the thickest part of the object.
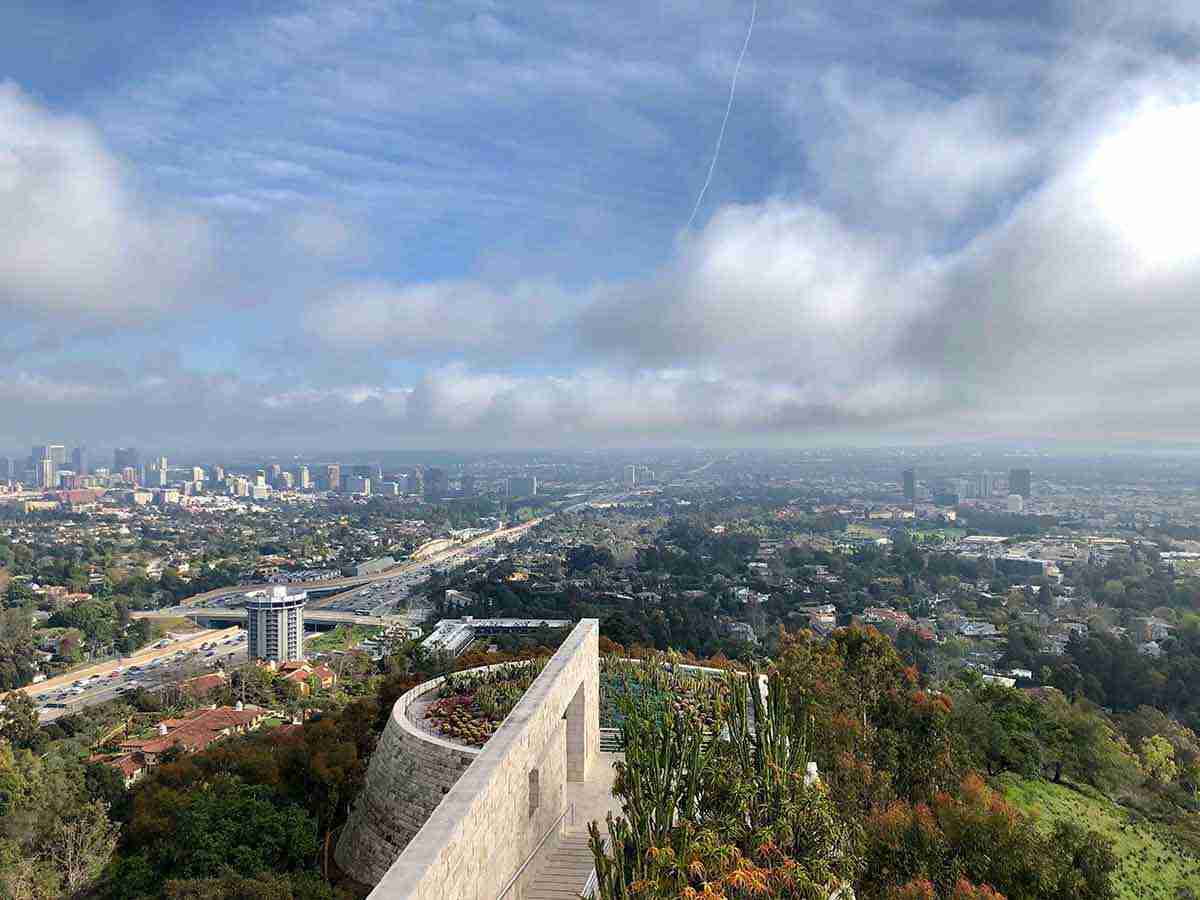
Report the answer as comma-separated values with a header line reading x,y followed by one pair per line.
x,y
394,225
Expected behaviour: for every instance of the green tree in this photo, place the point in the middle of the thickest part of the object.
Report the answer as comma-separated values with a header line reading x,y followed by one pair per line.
x,y
19,722
1158,759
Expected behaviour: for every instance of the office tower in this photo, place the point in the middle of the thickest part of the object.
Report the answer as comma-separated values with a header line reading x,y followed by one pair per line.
x,y
79,460
983,485
363,471
275,625
522,486
47,474
126,458
910,484
630,476
467,484
416,481
197,473
56,452
333,477
156,475
1020,481
260,479
303,478
437,484
284,481
1016,503
357,484
274,470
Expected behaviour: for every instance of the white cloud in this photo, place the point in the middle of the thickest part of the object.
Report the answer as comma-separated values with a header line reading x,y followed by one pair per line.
x,y
436,317
76,241
898,155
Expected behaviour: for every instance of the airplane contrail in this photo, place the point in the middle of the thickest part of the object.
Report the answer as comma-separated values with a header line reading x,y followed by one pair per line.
x,y
725,121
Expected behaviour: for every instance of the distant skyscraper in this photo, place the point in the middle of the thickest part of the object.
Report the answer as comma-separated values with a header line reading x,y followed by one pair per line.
x,y
983,485
126,458
79,460
47,474
1020,481
437,484
333,477
218,473
197,473
8,469
303,479
630,476
275,625
58,453
274,470
467,483
357,484
522,486
910,484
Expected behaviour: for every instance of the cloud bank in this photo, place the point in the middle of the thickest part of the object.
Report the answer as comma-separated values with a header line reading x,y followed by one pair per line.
x,y
1005,248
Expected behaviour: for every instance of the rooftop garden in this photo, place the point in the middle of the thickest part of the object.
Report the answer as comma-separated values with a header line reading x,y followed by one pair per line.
x,y
471,705
656,685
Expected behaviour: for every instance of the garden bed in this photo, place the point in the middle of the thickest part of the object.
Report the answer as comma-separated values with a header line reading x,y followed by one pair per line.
x,y
471,705
655,684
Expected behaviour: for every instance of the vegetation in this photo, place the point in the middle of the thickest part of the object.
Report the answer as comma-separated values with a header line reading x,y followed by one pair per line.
x,y
1151,861
472,705
656,683
897,811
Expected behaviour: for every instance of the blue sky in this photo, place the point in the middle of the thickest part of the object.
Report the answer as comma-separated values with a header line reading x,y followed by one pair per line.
x,y
463,224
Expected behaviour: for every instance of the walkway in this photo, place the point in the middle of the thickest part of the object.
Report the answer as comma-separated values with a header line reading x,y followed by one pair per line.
x,y
562,867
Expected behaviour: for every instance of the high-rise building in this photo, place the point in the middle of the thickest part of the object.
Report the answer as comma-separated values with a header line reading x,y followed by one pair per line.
x,y
156,476
79,460
197,474
47,474
467,484
275,625
8,468
303,479
522,486
58,453
274,470
437,484
333,477
126,458
218,473
284,481
1020,481
910,484
630,475
984,485
357,484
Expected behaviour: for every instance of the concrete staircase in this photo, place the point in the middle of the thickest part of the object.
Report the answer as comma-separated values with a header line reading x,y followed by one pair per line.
x,y
563,869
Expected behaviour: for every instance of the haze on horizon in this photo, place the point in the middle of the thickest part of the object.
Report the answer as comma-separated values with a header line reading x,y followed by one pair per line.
x,y
319,224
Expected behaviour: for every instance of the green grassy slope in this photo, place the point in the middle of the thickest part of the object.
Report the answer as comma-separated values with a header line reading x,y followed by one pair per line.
x,y
1153,863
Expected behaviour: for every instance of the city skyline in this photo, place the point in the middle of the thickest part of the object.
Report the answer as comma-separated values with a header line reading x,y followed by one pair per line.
x,y
925,223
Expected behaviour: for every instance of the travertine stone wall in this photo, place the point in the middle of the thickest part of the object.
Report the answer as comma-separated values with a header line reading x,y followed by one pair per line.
x,y
484,827
409,774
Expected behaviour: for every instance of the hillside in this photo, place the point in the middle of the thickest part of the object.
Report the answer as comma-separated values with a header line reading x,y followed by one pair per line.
x,y
1152,863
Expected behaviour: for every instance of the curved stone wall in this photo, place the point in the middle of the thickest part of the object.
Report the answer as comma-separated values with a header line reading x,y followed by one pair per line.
x,y
409,773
